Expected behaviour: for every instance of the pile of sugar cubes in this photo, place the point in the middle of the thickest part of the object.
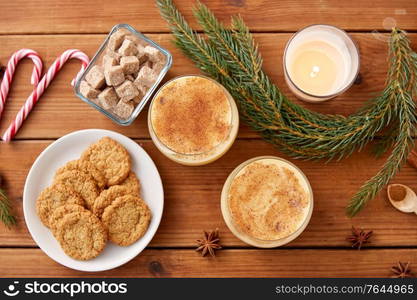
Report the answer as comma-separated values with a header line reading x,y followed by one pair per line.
x,y
128,69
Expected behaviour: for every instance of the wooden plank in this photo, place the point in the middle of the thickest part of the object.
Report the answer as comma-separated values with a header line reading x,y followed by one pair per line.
x,y
192,197
60,111
228,263
69,16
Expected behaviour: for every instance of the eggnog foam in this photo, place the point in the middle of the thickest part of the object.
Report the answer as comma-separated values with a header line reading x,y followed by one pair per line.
x,y
191,115
269,199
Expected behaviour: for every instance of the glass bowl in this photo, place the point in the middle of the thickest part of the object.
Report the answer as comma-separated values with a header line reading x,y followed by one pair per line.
x,y
96,59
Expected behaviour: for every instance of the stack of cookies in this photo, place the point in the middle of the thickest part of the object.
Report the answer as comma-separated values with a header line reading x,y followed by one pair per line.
x,y
94,199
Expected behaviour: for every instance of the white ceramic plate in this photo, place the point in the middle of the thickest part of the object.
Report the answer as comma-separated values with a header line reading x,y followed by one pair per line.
x,y
70,147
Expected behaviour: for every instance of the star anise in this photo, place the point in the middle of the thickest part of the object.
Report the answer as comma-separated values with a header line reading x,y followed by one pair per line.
x,y
401,270
359,237
209,243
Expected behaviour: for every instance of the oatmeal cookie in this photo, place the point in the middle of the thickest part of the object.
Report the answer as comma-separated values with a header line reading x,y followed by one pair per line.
x,y
126,219
110,158
132,183
106,198
86,167
82,183
81,235
62,211
53,197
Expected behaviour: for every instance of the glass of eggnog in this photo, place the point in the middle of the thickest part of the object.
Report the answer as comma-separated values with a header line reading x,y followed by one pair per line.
x,y
193,120
267,201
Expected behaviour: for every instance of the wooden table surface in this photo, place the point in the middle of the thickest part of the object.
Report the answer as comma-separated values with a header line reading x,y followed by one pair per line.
x,y
192,194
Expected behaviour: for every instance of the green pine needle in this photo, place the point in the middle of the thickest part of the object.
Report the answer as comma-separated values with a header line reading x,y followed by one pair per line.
x,y
231,57
6,216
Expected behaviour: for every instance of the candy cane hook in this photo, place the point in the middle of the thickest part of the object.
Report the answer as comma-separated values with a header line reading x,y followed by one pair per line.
x,y
41,87
11,68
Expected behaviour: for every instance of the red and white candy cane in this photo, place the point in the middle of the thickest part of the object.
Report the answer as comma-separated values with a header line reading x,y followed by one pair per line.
x,y
41,87
11,68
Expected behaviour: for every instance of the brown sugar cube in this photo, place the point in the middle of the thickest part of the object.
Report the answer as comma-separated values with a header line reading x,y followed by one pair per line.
x,y
130,64
113,54
128,48
95,100
148,64
109,61
137,99
95,77
154,54
142,59
141,88
116,39
142,43
87,91
141,50
141,93
131,37
106,104
141,55
108,98
127,90
146,77
124,109
126,99
114,75
157,67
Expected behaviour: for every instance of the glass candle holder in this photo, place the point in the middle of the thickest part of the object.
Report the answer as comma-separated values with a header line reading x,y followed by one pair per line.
x,y
320,62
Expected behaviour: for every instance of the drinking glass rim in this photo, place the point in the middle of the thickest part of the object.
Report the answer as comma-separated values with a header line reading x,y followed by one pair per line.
x,y
229,98
262,243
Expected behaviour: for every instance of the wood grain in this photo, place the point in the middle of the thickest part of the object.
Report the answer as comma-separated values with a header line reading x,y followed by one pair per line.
x,y
192,197
228,263
76,16
60,111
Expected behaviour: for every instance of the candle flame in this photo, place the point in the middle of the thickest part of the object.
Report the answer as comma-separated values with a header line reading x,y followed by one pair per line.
x,y
315,71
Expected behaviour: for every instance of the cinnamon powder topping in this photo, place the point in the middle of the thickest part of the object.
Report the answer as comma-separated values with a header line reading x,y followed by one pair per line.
x,y
267,201
191,115
397,192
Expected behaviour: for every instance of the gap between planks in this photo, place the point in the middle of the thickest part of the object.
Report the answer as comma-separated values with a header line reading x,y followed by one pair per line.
x,y
197,31
250,248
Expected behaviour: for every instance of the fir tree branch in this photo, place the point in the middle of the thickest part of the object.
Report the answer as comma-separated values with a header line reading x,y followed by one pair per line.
x,y
403,145
401,73
6,216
